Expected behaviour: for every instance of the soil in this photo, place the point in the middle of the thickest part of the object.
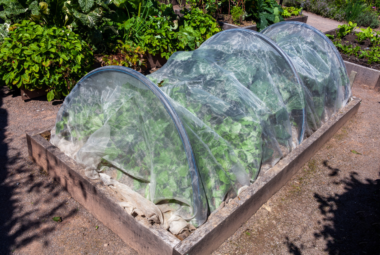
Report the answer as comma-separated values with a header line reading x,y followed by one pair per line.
x,y
351,39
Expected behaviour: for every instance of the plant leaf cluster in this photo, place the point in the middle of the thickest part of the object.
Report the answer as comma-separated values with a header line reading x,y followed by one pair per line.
x,y
164,34
291,11
265,12
361,12
371,53
35,57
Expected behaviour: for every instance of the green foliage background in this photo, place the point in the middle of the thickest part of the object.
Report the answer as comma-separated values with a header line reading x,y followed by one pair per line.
x,y
34,56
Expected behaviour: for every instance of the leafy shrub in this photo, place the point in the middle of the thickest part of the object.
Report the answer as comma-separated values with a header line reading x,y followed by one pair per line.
x,y
339,15
344,29
195,28
52,57
291,11
209,6
320,7
292,3
265,12
16,11
163,35
368,19
236,13
155,35
353,9
4,30
126,55
92,19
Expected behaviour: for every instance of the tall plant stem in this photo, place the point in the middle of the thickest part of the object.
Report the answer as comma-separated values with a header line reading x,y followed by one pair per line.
x,y
139,9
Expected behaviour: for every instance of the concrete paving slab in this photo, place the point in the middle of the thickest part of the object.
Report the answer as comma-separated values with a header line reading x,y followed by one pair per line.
x,y
321,23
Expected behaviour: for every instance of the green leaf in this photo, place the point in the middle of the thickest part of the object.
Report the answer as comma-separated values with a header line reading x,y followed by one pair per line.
x,y
44,7
86,5
36,68
25,78
355,152
57,219
14,63
50,95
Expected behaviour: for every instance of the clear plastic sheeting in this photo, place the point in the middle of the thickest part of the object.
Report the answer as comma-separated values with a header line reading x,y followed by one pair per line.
x,y
197,132
242,106
318,64
117,122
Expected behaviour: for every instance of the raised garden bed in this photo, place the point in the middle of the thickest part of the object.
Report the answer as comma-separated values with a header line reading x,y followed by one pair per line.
x,y
226,25
154,239
27,94
367,74
351,39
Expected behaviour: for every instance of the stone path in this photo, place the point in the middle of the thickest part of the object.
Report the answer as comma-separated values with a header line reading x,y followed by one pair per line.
x,y
321,23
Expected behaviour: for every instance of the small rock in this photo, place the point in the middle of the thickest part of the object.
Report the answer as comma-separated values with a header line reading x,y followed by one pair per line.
x,y
106,244
267,208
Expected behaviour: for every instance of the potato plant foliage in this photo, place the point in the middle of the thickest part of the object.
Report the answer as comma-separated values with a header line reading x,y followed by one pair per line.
x,y
34,57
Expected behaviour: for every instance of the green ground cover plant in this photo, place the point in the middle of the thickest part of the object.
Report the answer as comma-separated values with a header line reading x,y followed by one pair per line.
x,y
365,47
291,11
237,13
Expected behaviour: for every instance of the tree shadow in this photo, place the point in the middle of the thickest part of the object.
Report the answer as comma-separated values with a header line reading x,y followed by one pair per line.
x,y
292,248
351,220
26,210
351,223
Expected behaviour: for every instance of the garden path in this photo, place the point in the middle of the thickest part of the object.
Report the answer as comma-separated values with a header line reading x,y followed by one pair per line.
x,y
331,205
321,23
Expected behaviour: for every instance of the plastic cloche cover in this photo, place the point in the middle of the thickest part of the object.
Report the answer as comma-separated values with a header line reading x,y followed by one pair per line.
x,y
117,122
242,106
318,64
218,116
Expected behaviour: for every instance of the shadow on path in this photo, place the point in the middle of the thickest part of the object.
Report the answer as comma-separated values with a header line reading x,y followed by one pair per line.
x,y
351,221
28,200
